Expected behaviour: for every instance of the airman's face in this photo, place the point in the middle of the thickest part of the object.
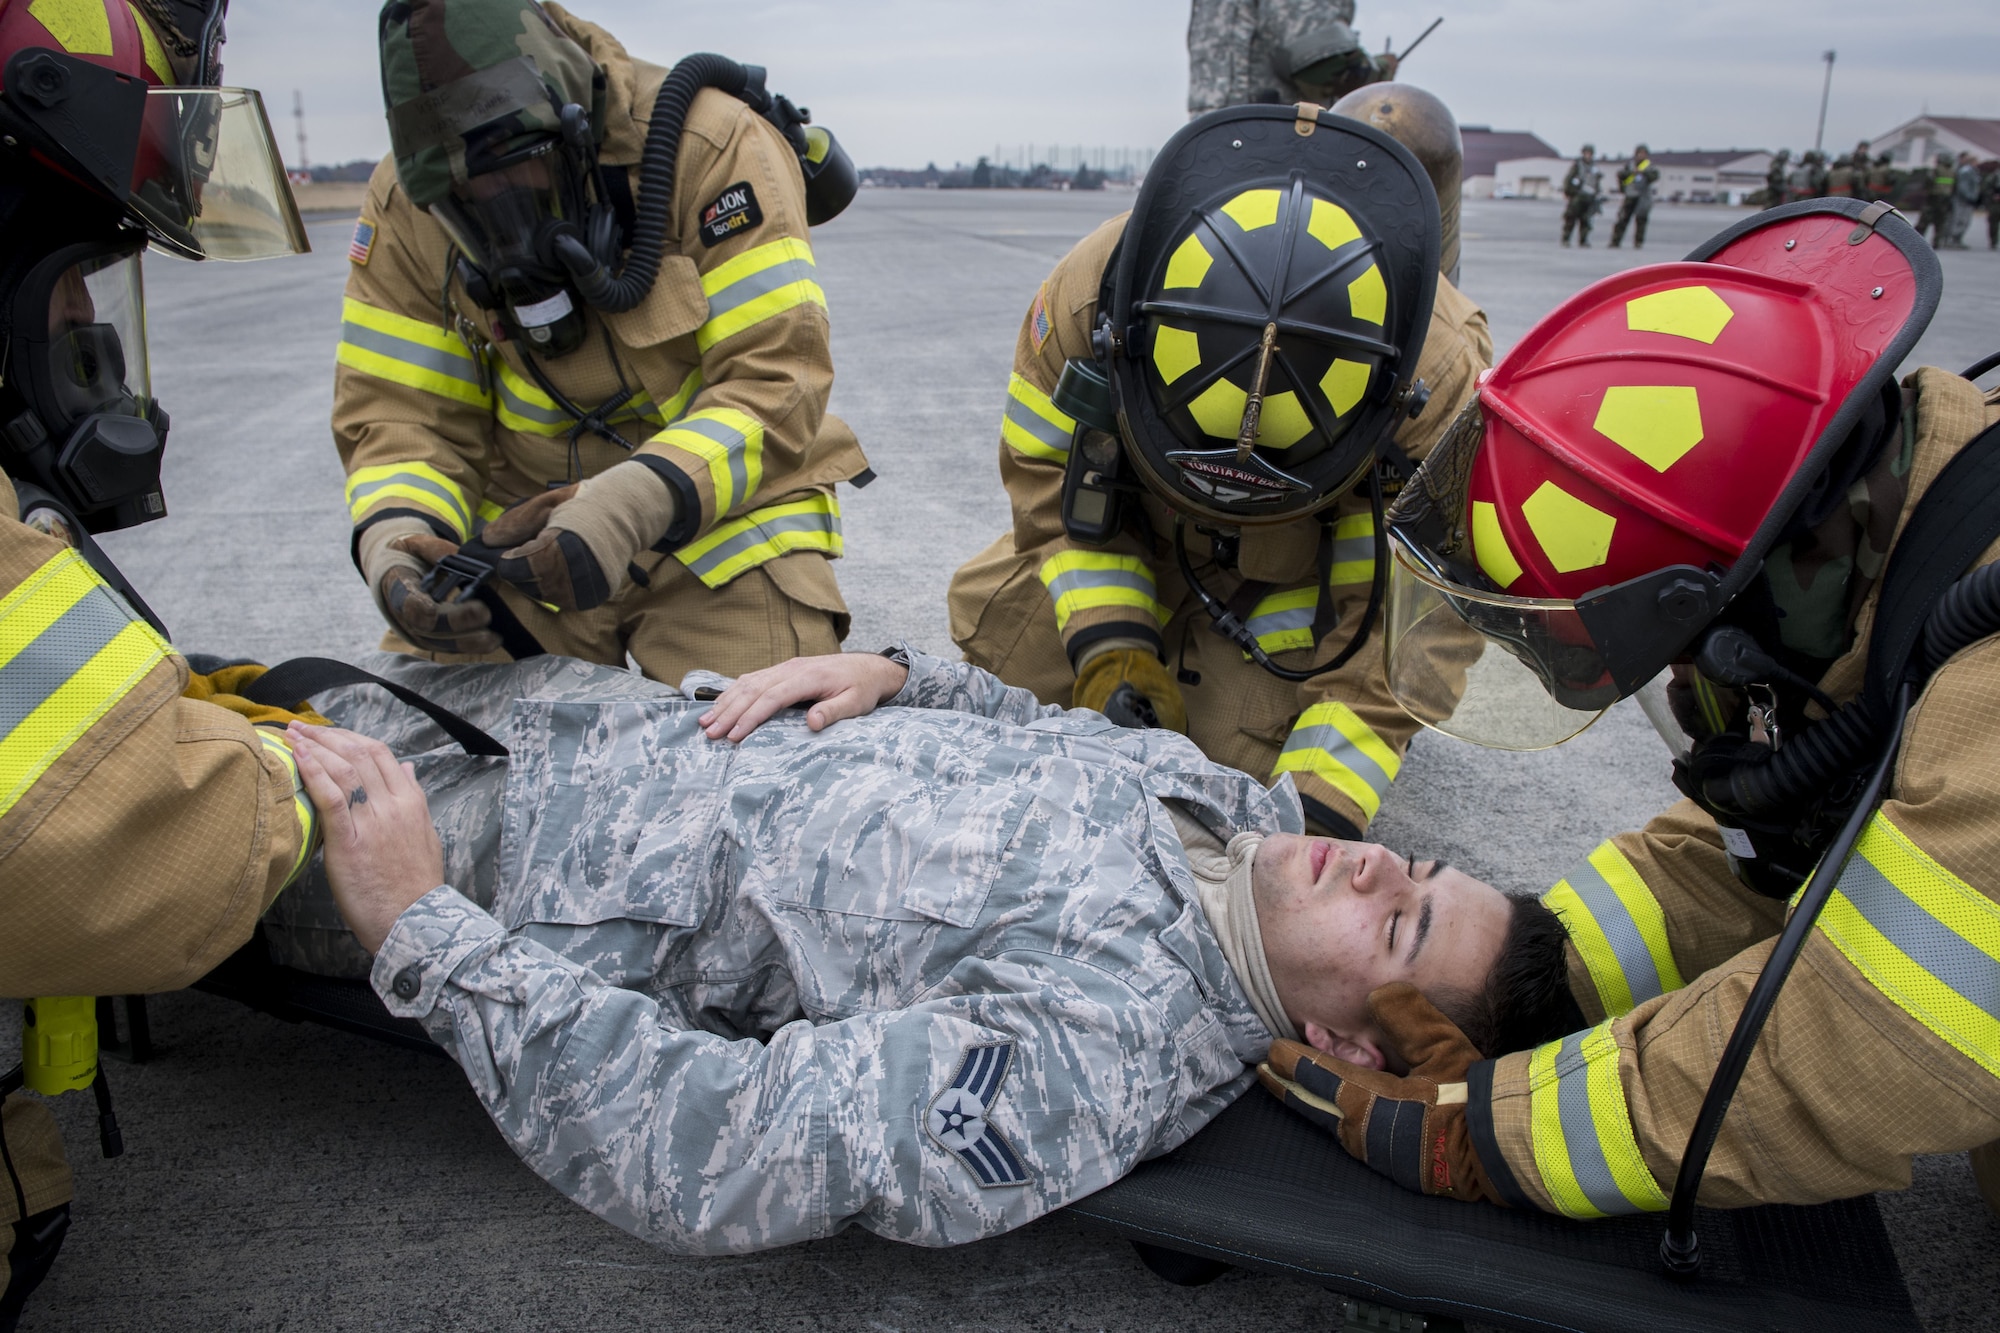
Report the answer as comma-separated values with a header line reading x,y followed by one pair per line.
x,y
1345,918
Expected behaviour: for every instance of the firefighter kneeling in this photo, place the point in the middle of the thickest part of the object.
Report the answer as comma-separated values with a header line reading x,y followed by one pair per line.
x,y
1211,398
1708,469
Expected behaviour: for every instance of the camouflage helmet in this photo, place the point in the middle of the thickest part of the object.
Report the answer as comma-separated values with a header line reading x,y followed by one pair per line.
x,y
469,82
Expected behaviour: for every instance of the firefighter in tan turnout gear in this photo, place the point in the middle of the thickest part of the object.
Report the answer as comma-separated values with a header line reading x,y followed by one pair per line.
x,y
583,327
1708,466
145,818
1275,316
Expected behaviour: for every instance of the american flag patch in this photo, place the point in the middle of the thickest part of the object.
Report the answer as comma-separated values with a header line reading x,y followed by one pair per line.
x,y
363,242
1038,319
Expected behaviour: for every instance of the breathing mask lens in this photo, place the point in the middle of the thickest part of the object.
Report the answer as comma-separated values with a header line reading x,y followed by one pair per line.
x,y
208,179
1511,673
506,220
97,342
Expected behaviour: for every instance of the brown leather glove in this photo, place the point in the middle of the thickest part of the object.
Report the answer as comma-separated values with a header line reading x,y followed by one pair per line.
x,y
395,554
571,548
1410,1128
1100,678
223,688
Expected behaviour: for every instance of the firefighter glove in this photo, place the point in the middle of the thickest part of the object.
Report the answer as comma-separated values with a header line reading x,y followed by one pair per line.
x,y
571,548
395,554
1125,683
1411,1127
224,687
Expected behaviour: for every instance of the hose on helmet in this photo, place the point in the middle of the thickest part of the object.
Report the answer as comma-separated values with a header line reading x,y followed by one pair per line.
x,y
590,266
1808,766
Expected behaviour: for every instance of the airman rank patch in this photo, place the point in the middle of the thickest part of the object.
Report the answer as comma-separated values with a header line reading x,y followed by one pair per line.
x,y
958,1117
734,210
1038,318
363,242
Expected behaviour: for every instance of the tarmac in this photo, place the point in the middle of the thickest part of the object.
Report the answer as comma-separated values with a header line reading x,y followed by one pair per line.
x,y
286,1177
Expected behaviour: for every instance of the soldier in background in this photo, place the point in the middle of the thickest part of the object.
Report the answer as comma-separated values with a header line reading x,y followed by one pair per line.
x,y
1846,177
1989,199
1635,182
1775,178
1967,187
1816,175
1938,191
1884,181
1583,196
1276,51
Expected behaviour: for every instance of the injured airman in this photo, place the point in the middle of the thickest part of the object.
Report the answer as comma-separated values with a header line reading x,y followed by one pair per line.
x,y
924,956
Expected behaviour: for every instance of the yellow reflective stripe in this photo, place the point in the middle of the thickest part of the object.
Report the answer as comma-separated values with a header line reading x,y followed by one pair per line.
x,y
1034,425
488,511
418,485
1353,550
70,649
1332,743
408,352
727,550
1618,928
1708,703
1092,580
302,806
1922,936
522,406
730,442
1284,620
1584,1145
757,285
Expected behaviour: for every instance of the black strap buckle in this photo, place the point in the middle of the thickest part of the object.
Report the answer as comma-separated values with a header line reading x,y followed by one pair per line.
x,y
457,573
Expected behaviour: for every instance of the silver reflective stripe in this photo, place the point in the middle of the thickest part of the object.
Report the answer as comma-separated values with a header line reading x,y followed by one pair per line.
x,y
1081,580
436,359
1579,1128
1621,932
1033,422
1345,752
511,398
761,533
57,653
358,494
1277,622
1927,941
731,440
1354,550
761,283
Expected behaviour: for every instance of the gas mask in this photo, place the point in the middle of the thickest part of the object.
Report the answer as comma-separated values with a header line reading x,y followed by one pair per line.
x,y
80,423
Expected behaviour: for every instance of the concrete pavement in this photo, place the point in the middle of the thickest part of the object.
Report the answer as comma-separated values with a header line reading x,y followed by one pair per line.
x,y
295,1178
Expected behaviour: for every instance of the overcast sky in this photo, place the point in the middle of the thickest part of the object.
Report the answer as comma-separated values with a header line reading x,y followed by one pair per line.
x,y
905,82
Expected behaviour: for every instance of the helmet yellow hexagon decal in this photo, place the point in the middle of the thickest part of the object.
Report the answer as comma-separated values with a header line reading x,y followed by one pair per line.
x,y
1343,384
1254,208
1330,225
1685,312
1283,422
1573,535
1218,409
1489,545
1175,352
1657,423
1368,296
1189,264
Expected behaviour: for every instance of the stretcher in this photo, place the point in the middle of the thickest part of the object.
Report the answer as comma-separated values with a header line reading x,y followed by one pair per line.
x,y
1260,1189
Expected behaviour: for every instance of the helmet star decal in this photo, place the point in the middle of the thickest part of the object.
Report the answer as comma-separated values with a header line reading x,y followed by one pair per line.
x,y
1573,535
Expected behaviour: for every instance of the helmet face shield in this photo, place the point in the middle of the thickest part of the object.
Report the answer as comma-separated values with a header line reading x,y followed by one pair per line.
x,y
1510,673
208,180
96,359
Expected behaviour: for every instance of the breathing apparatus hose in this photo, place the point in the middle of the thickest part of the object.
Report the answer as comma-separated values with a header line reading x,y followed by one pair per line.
x,y
1812,762
1230,627
590,265
1680,1249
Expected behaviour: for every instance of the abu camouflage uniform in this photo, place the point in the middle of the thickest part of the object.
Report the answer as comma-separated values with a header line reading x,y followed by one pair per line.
x,y
934,971
1235,48
720,376
1583,196
1029,604
1900,977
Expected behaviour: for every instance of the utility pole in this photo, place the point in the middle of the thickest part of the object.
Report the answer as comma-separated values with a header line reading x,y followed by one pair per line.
x,y
299,121
1819,135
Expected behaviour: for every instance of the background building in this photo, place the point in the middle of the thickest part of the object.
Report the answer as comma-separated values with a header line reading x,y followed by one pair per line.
x,y
1923,138
1486,148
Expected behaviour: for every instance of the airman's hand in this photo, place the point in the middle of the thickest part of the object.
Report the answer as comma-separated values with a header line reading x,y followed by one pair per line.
x,y
382,854
843,684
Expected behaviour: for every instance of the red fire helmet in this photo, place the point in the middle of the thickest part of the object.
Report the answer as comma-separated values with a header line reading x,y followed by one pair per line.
x,y
115,96
1627,466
